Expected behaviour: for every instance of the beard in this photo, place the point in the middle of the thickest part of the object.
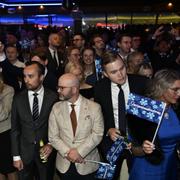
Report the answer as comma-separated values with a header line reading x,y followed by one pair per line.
x,y
64,98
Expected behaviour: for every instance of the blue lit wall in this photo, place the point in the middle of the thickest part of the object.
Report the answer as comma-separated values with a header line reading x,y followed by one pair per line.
x,y
30,1
58,20
11,19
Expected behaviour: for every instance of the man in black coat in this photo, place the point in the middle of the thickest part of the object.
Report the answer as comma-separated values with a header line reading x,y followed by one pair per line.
x,y
55,58
106,94
29,129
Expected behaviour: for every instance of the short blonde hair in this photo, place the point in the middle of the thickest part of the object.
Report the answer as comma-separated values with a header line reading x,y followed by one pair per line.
x,y
70,66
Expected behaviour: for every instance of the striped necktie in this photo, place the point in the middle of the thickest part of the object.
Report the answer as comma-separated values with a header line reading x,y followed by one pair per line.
x,y
35,111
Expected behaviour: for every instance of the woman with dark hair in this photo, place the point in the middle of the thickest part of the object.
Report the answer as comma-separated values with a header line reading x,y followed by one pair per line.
x,y
6,160
157,161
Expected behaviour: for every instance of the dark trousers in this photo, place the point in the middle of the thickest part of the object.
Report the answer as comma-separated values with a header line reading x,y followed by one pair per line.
x,y
72,174
126,155
38,170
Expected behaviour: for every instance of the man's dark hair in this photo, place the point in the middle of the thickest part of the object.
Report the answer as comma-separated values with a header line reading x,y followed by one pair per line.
x,y
120,37
41,68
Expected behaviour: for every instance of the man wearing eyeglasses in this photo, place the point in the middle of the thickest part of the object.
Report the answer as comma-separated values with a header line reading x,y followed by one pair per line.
x,y
75,129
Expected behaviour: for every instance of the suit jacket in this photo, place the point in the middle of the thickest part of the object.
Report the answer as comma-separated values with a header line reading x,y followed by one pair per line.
x,y
6,97
25,133
88,135
11,74
50,81
52,65
137,84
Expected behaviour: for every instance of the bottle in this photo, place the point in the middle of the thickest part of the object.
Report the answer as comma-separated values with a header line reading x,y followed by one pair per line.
x,y
43,159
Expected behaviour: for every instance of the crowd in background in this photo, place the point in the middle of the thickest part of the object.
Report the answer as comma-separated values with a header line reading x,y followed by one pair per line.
x,y
143,50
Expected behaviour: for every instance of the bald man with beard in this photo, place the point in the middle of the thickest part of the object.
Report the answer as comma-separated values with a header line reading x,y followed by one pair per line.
x,y
75,146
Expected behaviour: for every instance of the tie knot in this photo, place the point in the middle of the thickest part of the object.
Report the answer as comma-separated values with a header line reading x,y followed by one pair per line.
x,y
72,106
119,86
35,94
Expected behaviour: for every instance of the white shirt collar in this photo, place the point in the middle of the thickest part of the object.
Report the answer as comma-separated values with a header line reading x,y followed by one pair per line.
x,y
40,91
123,86
78,101
52,50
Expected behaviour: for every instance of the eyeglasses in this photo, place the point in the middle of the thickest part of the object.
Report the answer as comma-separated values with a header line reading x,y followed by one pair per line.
x,y
76,55
175,90
62,87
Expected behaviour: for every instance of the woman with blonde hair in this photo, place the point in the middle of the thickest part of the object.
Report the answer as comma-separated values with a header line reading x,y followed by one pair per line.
x,y
158,160
134,60
85,89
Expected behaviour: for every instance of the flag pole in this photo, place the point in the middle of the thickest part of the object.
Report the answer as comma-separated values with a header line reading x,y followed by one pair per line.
x,y
159,123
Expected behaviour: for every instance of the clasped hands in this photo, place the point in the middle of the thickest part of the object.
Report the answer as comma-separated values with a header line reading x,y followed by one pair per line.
x,y
74,156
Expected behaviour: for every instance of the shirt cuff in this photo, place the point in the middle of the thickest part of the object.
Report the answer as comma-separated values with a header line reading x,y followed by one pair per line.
x,y
16,158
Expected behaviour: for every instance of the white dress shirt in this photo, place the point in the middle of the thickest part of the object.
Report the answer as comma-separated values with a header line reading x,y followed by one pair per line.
x,y
40,96
76,107
114,96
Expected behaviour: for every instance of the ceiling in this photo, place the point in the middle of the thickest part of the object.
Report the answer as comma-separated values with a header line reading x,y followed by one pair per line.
x,y
97,6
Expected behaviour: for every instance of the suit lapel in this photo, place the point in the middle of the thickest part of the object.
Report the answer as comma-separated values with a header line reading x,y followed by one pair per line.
x,y
108,99
82,114
66,118
26,105
45,101
130,83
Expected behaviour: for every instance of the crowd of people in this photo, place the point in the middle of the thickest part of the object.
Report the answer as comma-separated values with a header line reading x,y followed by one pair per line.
x,y
63,102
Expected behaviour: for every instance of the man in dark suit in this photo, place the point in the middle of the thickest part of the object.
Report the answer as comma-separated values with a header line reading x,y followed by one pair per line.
x,y
30,113
55,58
50,80
107,94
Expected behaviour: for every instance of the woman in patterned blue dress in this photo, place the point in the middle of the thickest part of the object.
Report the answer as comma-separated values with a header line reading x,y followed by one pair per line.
x,y
158,161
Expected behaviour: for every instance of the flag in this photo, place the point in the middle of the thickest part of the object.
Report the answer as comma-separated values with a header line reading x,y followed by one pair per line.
x,y
115,151
145,108
105,171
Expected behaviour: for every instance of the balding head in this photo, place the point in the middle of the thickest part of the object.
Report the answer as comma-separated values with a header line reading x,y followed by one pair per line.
x,y
54,40
69,80
68,87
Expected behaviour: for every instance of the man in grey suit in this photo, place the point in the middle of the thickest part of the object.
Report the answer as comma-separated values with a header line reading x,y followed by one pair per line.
x,y
30,126
75,129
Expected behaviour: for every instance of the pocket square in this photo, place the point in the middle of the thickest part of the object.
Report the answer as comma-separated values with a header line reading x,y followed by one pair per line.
x,y
88,117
